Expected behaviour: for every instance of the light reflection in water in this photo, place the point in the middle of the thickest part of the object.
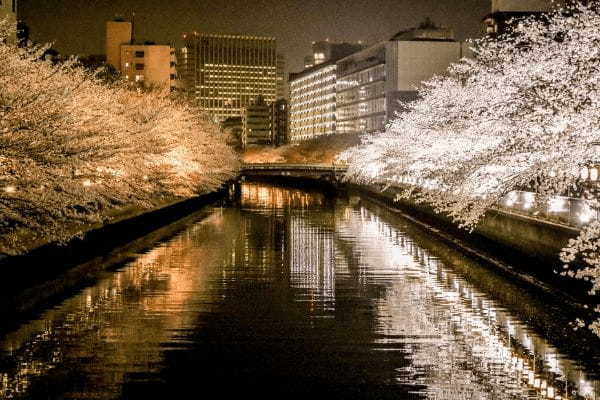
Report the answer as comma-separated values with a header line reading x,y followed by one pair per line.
x,y
329,258
452,333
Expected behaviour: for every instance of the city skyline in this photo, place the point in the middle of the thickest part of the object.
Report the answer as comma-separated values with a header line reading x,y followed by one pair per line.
x,y
82,27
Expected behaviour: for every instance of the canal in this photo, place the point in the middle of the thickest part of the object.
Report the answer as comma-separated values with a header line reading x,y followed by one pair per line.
x,y
290,291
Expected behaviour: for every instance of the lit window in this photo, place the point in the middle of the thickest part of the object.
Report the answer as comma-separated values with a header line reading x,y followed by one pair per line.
x,y
139,78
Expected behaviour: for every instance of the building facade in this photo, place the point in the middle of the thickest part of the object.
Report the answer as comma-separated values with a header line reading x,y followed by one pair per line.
x,y
149,65
227,72
256,124
8,12
313,102
118,33
374,84
280,122
312,106
281,78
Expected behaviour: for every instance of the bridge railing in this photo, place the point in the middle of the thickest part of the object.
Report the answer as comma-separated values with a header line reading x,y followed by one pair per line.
x,y
295,167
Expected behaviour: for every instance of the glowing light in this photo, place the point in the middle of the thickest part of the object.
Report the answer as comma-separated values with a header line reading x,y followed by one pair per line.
x,y
558,204
584,173
87,183
594,174
587,214
10,189
528,200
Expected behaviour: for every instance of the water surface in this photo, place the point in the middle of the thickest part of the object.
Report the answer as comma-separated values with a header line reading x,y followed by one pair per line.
x,y
293,292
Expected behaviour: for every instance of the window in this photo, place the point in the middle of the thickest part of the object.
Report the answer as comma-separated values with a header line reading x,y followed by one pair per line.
x,y
172,76
139,54
139,78
172,63
14,5
139,66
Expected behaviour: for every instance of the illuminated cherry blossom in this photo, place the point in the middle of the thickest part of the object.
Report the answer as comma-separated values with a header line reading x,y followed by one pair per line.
x,y
76,151
523,113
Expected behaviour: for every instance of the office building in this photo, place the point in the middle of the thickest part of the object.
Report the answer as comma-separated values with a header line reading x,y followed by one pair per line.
x,y
256,123
375,83
260,124
312,108
227,72
313,102
8,12
281,78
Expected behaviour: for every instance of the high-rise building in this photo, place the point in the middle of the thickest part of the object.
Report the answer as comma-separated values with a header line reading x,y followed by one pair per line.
x,y
373,84
8,12
227,72
281,78
312,109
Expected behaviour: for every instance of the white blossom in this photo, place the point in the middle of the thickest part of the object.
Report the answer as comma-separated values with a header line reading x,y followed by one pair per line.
x,y
522,113
75,150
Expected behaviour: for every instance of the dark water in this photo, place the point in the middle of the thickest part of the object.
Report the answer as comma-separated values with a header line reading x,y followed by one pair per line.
x,y
294,293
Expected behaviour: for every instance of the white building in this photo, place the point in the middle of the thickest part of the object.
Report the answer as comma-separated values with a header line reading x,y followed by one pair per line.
x,y
373,84
312,102
312,92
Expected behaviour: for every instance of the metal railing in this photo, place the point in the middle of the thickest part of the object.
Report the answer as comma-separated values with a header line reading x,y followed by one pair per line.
x,y
295,167
559,209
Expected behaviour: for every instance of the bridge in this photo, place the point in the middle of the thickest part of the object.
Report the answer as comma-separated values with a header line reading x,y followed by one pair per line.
x,y
326,172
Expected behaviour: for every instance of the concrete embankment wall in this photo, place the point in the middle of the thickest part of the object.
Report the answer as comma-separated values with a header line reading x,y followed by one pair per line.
x,y
51,270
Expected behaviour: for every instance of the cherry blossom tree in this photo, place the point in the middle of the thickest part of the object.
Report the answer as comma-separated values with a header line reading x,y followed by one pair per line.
x,y
76,151
522,113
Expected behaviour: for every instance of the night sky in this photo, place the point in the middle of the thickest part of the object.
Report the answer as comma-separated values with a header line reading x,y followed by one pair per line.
x,y
77,26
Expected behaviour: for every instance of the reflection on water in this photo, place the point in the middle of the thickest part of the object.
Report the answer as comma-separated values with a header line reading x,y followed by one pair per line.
x,y
292,292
